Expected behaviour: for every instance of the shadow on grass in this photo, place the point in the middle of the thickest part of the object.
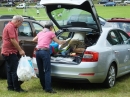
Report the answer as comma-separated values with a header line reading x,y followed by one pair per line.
x,y
34,85
86,86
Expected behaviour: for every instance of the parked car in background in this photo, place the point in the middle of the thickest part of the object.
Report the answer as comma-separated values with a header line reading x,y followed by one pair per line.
x,y
9,4
110,4
122,23
123,4
103,1
22,5
92,53
29,28
39,6
117,1
127,1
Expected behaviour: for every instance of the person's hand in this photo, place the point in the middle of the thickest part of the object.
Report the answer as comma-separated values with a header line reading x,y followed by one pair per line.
x,y
22,53
63,41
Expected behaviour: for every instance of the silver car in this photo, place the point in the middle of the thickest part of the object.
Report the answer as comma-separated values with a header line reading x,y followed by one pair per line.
x,y
92,53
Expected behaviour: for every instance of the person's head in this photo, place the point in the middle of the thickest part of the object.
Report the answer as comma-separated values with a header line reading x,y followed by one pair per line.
x,y
49,25
17,20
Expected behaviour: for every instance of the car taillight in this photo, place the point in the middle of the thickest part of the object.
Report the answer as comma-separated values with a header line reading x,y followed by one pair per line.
x,y
34,52
90,56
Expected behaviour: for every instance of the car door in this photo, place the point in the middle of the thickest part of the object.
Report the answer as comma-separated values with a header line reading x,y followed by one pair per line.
x,y
126,43
119,50
25,33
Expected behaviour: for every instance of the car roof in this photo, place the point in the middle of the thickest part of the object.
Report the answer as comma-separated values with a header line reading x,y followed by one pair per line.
x,y
11,16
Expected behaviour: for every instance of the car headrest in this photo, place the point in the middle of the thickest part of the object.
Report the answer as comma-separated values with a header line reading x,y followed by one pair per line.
x,y
79,36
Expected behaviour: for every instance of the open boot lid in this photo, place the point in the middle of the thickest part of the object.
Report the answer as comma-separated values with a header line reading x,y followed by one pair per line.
x,y
73,14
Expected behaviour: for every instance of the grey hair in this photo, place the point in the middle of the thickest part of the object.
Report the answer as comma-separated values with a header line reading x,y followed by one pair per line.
x,y
48,24
18,17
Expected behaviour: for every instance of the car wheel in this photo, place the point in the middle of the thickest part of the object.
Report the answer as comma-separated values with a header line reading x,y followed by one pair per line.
x,y
3,71
111,77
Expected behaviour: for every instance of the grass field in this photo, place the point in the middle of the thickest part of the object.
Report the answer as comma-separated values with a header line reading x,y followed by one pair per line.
x,y
105,12
109,12
121,89
28,12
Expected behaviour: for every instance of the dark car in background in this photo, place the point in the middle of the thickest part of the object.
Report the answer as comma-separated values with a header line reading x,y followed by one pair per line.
x,y
122,23
29,28
9,4
110,4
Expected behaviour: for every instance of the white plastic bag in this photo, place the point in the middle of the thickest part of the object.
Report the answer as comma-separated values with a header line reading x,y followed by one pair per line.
x,y
35,65
25,70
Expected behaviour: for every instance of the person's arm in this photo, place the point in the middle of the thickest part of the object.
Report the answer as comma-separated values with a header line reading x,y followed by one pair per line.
x,y
59,41
35,39
17,46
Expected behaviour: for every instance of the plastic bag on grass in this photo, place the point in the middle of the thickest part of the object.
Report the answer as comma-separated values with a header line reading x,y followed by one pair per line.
x,y
25,70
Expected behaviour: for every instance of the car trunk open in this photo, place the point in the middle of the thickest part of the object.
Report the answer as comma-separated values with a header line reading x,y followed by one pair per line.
x,y
72,52
79,17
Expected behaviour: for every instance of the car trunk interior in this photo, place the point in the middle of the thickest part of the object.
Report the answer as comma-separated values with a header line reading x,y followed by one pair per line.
x,y
73,50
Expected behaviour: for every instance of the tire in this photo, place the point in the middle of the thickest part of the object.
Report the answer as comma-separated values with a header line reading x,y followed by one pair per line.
x,y
111,77
3,71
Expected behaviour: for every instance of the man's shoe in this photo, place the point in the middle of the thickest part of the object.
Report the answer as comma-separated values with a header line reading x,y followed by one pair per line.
x,y
21,82
10,89
21,90
51,91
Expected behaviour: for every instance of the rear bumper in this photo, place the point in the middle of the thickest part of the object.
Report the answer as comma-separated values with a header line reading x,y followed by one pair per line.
x,y
71,80
83,72
80,73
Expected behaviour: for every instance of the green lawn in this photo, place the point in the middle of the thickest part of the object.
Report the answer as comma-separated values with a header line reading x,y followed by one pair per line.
x,y
106,12
117,11
28,12
121,89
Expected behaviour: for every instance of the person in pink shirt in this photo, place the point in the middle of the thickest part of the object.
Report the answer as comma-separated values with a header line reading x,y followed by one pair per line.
x,y
10,52
44,38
